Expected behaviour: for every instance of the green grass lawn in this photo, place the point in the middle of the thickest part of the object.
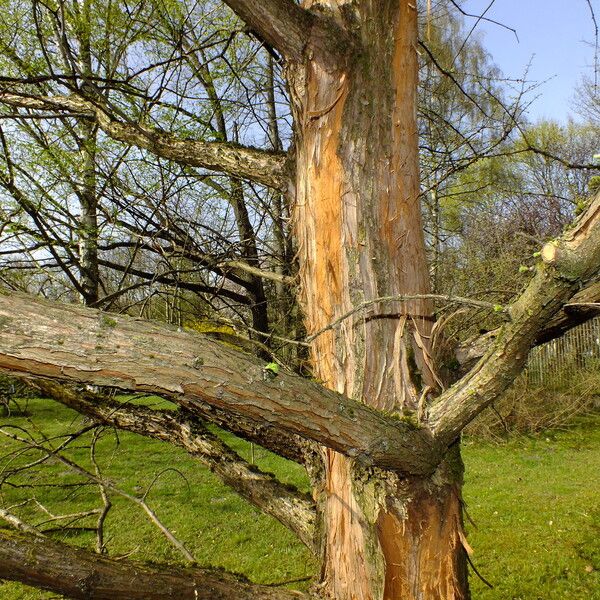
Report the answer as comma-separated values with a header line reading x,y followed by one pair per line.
x,y
535,502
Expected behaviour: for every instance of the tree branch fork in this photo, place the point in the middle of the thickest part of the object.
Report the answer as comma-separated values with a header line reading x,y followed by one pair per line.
x,y
85,346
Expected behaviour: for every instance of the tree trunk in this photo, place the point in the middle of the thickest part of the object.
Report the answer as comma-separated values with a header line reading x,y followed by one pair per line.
x,y
88,199
88,222
360,237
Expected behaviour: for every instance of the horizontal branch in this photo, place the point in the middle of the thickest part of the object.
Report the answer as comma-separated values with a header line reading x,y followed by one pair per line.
x,y
83,345
174,277
80,574
261,166
582,307
290,507
567,263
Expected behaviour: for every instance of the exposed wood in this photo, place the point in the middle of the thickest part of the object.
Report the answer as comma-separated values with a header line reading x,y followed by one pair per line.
x,y
265,167
389,495
358,225
423,557
83,345
84,575
290,507
569,260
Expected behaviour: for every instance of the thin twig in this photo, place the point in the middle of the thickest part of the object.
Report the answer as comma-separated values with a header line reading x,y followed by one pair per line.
x,y
53,454
483,579
106,503
404,298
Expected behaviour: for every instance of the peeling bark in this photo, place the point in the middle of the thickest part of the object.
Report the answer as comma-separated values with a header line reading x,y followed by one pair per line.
x,y
389,495
425,555
359,231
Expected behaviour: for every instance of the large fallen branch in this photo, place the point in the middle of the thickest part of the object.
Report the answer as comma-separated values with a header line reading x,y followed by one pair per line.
x,y
290,507
81,574
82,345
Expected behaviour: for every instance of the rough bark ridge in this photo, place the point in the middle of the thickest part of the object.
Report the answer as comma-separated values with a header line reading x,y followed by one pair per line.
x,y
205,377
360,237
85,575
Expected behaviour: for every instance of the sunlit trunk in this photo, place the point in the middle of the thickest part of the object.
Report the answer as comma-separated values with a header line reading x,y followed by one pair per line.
x,y
360,236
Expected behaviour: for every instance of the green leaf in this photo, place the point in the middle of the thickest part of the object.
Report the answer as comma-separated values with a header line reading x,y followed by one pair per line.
x,y
272,367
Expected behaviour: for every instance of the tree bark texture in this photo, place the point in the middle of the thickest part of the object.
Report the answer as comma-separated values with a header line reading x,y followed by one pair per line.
x,y
388,499
83,345
88,221
81,574
360,237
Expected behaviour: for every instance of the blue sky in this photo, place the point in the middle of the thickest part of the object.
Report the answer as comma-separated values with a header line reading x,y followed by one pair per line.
x,y
554,33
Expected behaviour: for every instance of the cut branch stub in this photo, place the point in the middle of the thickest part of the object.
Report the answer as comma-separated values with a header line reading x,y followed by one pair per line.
x,y
82,345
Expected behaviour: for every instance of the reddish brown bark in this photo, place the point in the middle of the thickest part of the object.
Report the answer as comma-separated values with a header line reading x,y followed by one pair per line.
x,y
389,499
423,548
360,237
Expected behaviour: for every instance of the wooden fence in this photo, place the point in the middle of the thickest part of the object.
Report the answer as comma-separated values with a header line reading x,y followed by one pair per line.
x,y
555,362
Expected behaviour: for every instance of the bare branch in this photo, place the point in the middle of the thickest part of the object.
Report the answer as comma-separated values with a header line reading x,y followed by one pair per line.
x,y
73,343
247,268
290,507
17,523
54,455
583,306
264,167
402,298
566,263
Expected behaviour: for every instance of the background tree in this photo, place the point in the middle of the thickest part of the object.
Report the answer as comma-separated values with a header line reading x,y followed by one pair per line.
x,y
164,230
